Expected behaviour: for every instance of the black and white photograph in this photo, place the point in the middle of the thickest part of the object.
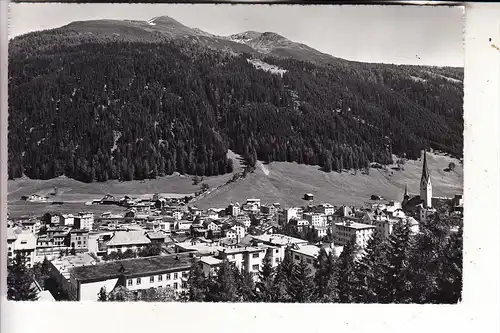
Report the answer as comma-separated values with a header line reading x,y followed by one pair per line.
x,y
235,153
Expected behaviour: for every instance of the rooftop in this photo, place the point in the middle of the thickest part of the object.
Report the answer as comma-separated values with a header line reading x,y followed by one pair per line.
x,y
355,225
209,260
128,238
278,239
308,250
156,235
132,267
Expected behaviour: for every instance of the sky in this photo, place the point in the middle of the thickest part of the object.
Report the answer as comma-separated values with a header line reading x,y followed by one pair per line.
x,y
382,34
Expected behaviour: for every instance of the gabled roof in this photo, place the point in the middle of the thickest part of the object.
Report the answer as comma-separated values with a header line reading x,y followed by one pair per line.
x,y
128,238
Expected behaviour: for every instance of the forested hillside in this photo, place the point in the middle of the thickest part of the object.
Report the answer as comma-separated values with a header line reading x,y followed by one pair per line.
x,y
110,108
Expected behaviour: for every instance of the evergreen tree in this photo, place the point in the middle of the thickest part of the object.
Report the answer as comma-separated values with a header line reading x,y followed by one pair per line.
x,y
301,288
325,277
396,277
197,283
19,282
346,272
282,279
223,287
244,284
266,289
449,282
369,271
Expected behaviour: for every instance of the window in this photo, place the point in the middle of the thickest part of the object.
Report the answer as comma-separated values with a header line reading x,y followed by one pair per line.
x,y
308,261
129,282
176,276
277,251
176,285
277,260
168,276
297,257
138,281
151,279
255,267
255,255
160,278
184,284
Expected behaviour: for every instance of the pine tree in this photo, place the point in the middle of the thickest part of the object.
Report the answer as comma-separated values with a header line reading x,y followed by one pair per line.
x,y
282,279
346,272
449,282
244,284
369,271
19,282
223,287
266,289
325,277
301,288
396,277
197,283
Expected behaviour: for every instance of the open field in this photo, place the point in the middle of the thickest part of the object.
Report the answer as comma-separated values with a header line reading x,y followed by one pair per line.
x,y
280,182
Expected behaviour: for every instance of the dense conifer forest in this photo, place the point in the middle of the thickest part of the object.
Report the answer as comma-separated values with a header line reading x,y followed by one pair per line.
x,y
97,110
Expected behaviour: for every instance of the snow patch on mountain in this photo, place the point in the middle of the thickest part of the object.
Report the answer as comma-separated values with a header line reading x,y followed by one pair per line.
x,y
259,64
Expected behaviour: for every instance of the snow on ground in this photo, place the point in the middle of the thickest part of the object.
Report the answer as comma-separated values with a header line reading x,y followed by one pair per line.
x,y
264,169
116,135
417,79
259,64
450,79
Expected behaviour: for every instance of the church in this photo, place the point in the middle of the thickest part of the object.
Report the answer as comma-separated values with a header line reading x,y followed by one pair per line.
x,y
420,205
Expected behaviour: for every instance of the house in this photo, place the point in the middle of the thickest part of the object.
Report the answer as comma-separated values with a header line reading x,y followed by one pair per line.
x,y
199,247
343,232
231,233
325,209
183,225
21,242
84,220
244,219
127,240
31,224
234,209
269,209
213,214
156,237
306,253
308,196
239,229
253,202
78,239
211,225
299,225
36,198
66,220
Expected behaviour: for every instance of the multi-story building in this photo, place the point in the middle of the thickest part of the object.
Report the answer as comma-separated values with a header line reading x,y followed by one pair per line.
x,y
315,219
66,220
343,232
127,240
84,220
172,271
270,209
234,209
325,209
285,215
78,239
244,219
21,242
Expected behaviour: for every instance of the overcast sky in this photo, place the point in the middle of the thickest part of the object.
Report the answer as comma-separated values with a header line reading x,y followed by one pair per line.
x,y
389,34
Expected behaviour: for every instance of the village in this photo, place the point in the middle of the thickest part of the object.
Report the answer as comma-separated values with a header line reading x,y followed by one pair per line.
x,y
155,241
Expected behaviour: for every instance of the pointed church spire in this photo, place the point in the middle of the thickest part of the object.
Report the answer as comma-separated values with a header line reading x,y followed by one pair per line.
x,y
425,170
406,190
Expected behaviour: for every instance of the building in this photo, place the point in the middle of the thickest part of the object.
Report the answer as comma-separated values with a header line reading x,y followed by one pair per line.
x,y
196,245
66,220
308,196
156,237
234,209
239,229
134,240
325,209
78,239
21,242
343,232
315,219
244,219
299,226
286,215
84,220
269,209
253,202
31,224
426,185
307,253
134,274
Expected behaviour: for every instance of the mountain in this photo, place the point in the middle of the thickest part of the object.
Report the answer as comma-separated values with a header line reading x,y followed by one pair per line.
x,y
272,44
99,100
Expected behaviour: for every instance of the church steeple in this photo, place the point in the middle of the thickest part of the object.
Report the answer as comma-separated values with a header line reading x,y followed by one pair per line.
x,y
425,184
406,196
